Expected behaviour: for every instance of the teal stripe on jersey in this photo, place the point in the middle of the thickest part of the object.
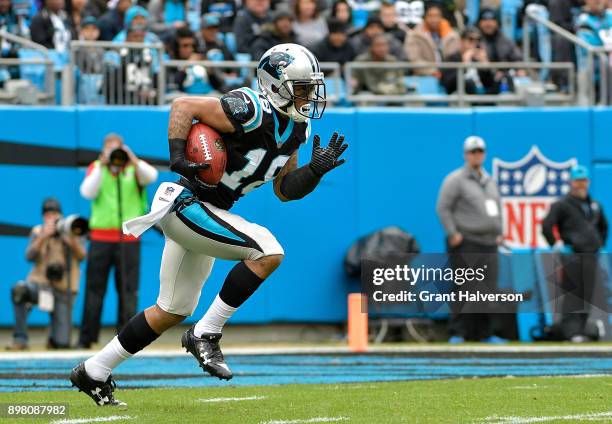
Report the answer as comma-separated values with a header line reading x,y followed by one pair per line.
x,y
256,121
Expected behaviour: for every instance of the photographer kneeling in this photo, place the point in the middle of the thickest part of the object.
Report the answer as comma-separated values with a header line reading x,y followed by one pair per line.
x,y
47,284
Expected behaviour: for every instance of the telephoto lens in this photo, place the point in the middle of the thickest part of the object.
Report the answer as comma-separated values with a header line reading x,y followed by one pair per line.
x,y
118,157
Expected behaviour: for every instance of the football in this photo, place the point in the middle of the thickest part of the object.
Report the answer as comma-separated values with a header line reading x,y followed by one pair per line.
x,y
205,145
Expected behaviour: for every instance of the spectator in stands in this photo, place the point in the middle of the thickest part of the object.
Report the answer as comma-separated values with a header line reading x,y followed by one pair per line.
x,y
341,10
129,76
248,22
12,23
51,27
590,25
89,29
210,43
112,22
117,168
379,80
194,79
431,40
561,12
136,24
477,81
582,226
309,26
225,9
167,15
75,10
361,41
499,47
89,60
277,32
469,208
335,47
47,284
185,45
391,23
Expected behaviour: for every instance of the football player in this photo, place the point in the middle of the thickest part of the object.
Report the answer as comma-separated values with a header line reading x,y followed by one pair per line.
x,y
262,132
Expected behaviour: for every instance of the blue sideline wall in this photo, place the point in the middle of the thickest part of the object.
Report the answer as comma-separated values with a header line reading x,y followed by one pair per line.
x,y
395,165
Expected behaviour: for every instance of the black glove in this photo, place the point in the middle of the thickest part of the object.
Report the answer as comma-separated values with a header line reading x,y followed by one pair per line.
x,y
182,166
325,159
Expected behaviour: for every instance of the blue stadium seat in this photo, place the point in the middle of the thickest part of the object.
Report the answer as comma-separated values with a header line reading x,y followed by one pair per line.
x,y
34,73
424,85
230,42
89,87
330,87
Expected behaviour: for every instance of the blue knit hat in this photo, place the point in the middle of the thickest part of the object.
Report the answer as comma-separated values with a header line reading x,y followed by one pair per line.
x,y
132,12
579,172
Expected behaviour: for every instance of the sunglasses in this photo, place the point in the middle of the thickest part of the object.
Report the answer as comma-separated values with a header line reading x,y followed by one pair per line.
x,y
476,151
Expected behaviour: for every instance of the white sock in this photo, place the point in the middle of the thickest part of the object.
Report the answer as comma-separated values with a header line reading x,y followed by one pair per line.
x,y
100,366
214,319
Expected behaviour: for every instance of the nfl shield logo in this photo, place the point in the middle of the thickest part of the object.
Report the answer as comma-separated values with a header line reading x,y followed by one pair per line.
x,y
528,187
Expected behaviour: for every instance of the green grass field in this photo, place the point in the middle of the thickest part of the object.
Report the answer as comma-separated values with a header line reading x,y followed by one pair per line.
x,y
487,400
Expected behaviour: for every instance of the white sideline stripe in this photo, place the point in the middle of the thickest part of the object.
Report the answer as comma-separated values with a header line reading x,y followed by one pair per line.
x,y
92,420
530,387
75,354
309,420
529,420
232,399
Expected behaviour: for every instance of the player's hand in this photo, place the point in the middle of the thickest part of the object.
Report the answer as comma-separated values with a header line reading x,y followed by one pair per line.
x,y
49,228
202,186
455,240
324,159
187,168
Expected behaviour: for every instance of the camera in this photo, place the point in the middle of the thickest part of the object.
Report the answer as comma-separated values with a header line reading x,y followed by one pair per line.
x,y
118,157
72,225
55,272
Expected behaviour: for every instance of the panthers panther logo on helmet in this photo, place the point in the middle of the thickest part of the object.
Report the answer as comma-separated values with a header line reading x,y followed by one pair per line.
x,y
291,79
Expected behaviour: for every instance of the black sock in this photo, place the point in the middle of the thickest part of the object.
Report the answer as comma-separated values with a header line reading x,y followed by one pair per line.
x,y
239,285
137,334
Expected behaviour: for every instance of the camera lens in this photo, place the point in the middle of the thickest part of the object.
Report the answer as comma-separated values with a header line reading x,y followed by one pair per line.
x,y
118,157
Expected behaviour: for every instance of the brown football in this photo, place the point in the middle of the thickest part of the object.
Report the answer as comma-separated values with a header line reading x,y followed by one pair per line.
x,y
205,145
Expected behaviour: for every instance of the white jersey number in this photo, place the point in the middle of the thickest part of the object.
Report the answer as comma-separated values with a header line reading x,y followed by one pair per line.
x,y
255,157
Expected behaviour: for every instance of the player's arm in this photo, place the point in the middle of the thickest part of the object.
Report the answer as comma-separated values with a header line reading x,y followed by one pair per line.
x,y
297,183
291,165
184,110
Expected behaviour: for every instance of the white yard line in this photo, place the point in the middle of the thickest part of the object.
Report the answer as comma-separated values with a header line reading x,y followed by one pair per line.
x,y
308,420
92,420
231,399
529,420
534,386
74,354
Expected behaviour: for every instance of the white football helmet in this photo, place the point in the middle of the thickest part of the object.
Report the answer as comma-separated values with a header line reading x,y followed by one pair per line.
x,y
290,72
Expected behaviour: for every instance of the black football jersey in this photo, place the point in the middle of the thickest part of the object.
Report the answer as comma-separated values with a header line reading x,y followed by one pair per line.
x,y
263,141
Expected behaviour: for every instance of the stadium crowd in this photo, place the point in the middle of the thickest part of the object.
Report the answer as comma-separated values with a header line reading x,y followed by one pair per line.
x,y
335,30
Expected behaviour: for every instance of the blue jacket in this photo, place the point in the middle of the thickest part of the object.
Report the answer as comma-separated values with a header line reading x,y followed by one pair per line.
x,y
587,29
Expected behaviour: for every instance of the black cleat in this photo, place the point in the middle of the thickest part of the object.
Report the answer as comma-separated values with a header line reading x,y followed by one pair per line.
x,y
100,392
208,353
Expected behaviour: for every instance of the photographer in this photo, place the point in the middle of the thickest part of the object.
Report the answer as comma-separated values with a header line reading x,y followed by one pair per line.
x,y
115,185
47,284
